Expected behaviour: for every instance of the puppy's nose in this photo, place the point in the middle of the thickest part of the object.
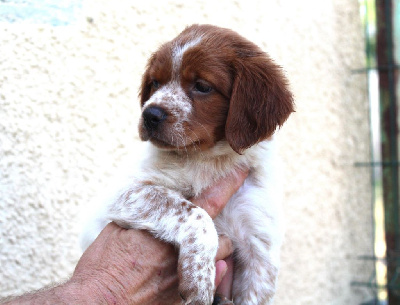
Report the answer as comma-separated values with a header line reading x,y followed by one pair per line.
x,y
153,116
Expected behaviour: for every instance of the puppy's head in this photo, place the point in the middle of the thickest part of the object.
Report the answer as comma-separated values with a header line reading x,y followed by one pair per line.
x,y
210,84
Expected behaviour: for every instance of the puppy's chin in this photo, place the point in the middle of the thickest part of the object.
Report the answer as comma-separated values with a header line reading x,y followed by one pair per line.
x,y
199,141
193,146
190,146
163,144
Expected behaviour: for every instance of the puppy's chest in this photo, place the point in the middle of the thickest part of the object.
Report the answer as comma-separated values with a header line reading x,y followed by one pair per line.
x,y
191,177
188,179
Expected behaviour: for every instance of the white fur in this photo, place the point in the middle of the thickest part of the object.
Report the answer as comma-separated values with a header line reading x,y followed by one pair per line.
x,y
178,52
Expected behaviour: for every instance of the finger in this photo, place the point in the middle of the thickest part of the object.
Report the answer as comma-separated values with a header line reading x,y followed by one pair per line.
x,y
108,229
220,270
225,285
225,248
214,198
101,240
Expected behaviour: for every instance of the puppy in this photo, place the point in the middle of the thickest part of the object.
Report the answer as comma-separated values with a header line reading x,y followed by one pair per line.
x,y
211,101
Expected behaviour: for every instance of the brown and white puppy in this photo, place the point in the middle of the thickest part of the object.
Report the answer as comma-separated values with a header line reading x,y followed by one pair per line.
x,y
211,102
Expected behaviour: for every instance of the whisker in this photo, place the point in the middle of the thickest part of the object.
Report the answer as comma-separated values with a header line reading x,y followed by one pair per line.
x,y
205,129
194,142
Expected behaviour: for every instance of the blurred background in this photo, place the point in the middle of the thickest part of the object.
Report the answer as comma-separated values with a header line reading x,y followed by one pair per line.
x,y
69,78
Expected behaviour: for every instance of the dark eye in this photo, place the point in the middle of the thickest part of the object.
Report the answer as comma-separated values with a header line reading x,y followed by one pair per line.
x,y
202,87
155,84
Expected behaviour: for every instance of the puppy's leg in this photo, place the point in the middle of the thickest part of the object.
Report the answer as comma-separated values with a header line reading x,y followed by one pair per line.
x,y
176,220
256,238
255,273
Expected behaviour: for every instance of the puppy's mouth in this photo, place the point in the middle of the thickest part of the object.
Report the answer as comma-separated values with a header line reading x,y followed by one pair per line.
x,y
165,132
166,144
161,143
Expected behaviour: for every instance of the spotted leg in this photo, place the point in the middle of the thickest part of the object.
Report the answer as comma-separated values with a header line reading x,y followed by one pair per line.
x,y
172,218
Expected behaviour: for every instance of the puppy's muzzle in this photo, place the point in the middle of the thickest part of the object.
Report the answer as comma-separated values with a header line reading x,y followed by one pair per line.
x,y
153,116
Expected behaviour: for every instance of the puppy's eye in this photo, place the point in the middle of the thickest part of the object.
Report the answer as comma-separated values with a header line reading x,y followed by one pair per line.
x,y
155,84
202,87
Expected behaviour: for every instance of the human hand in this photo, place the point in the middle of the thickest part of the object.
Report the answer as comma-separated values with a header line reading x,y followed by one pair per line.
x,y
132,267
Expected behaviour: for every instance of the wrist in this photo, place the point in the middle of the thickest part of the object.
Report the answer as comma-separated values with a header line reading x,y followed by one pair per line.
x,y
92,290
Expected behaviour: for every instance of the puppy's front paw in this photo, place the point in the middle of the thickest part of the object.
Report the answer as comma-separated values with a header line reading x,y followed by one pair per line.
x,y
196,281
196,264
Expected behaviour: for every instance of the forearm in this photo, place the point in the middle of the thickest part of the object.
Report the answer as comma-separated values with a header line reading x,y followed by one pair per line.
x,y
68,293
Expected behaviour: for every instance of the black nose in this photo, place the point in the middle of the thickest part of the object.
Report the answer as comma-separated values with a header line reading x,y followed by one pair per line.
x,y
153,116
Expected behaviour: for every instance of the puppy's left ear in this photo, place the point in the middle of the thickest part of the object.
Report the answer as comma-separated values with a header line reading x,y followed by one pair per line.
x,y
260,101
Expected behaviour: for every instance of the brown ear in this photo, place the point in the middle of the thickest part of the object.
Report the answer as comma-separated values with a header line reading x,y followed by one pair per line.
x,y
145,88
260,101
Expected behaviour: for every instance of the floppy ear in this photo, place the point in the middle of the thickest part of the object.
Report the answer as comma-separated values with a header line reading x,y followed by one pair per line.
x,y
146,85
260,101
145,88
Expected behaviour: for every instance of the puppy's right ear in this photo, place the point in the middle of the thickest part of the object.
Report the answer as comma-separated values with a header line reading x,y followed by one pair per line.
x,y
159,68
145,88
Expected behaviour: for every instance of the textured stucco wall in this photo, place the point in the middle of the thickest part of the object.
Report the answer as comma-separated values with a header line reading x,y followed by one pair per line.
x,y
68,113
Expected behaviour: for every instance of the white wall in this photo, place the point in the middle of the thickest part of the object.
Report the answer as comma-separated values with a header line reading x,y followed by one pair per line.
x,y
69,109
